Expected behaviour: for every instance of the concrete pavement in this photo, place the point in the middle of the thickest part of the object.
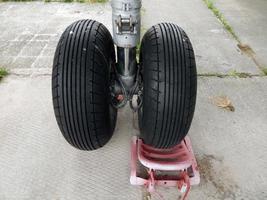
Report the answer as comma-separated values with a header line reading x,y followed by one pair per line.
x,y
248,20
28,39
37,163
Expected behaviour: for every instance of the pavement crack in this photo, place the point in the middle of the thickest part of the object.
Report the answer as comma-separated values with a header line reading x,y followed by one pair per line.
x,y
245,48
30,75
242,75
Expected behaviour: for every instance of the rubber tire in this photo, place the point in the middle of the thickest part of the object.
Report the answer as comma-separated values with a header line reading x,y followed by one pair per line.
x,y
169,85
80,85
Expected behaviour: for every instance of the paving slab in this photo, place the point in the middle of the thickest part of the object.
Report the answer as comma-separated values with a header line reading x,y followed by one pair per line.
x,y
37,163
248,19
216,51
30,31
26,24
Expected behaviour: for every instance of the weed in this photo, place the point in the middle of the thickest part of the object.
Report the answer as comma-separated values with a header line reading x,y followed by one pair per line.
x,y
219,15
94,1
101,1
212,75
65,1
3,73
264,70
15,0
232,73
237,74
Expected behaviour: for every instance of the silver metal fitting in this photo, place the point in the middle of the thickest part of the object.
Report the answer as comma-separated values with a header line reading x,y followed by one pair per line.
x,y
126,22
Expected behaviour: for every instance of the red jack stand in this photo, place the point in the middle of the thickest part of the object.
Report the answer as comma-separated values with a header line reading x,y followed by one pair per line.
x,y
179,159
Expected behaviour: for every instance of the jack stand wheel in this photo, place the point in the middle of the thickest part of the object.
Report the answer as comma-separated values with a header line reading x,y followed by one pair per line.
x,y
179,160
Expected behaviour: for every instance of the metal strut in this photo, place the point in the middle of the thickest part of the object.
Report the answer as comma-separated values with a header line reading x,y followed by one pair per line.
x,y
126,24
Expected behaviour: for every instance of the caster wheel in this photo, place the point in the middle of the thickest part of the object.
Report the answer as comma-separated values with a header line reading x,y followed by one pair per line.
x,y
80,85
169,85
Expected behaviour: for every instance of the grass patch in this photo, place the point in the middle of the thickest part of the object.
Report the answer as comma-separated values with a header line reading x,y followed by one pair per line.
x,y
99,1
237,74
264,70
3,73
213,75
64,1
15,0
219,15
232,73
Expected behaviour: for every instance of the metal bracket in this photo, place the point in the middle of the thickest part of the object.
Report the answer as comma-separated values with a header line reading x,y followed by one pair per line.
x,y
126,22
126,25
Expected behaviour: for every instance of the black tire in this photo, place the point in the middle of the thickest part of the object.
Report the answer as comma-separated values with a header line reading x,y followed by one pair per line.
x,y
169,85
80,85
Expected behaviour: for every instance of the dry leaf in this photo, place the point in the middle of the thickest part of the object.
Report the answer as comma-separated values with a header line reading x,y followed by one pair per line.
x,y
223,102
246,49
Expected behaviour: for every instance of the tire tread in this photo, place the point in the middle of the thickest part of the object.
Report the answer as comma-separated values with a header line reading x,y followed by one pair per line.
x,y
169,71
80,85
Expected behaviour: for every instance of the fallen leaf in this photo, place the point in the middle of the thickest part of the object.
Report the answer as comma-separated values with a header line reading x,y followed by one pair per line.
x,y
223,102
246,49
